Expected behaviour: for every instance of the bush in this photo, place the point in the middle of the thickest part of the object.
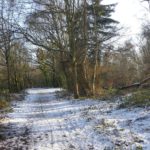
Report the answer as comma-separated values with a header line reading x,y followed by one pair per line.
x,y
107,94
140,98
3,104
4,98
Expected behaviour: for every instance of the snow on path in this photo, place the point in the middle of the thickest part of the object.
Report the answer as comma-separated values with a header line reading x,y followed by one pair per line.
x,y
43,122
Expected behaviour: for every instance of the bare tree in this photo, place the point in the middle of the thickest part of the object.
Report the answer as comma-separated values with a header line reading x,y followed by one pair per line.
x,y
76,30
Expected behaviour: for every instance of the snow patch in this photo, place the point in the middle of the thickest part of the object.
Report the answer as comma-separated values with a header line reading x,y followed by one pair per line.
x,y
43,122
42,90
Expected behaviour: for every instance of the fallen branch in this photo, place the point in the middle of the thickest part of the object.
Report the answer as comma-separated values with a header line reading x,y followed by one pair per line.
x,y
137,85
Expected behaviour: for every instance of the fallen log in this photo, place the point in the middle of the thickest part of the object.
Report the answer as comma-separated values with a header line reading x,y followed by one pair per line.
x,y
137,85
145,80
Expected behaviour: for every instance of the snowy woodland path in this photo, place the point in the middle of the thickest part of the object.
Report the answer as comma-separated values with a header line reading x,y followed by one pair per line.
x,y
44,122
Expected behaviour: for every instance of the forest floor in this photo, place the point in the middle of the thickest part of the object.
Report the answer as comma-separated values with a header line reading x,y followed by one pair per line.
x,y
43,121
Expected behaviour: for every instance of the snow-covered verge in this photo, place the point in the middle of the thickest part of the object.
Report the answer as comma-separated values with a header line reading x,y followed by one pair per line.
x,y
43,121
42,90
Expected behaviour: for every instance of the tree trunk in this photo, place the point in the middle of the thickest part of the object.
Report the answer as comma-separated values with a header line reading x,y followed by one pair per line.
x,y
8,73
94,73
84,86
95,51
75,78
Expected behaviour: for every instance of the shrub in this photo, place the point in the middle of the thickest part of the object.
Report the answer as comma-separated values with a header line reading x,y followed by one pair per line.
x,y
3,104
140,98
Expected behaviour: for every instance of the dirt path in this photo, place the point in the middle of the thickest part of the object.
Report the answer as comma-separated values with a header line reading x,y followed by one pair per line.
x,y
43,122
